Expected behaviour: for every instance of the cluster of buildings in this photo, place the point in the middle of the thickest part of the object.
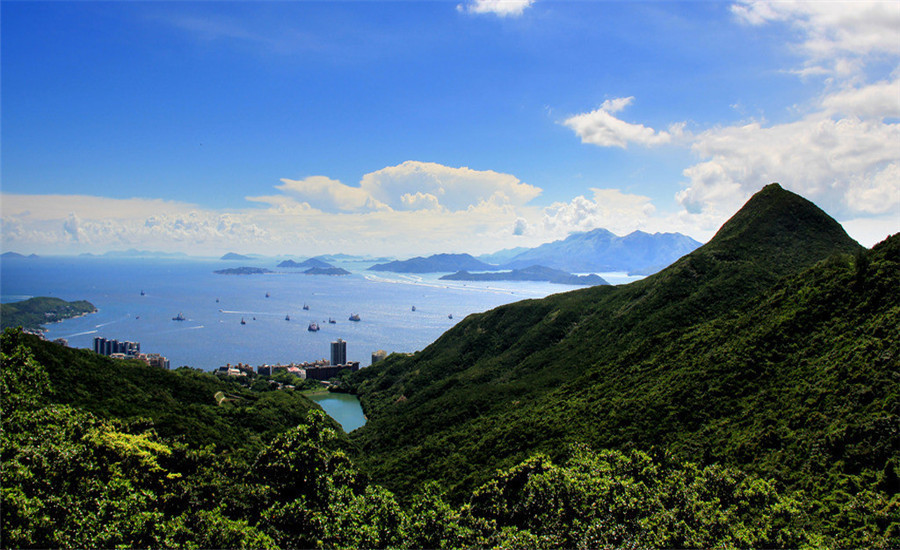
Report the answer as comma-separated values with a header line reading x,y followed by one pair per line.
x,y
321,369
128,350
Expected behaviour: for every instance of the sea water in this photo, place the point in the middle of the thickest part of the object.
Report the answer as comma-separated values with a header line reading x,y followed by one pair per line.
x,y
214,305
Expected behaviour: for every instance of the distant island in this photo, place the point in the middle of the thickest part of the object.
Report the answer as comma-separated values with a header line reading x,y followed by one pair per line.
x,y
437,263
234,256
243,271
16,256
312,262
532,273
326,271
32,313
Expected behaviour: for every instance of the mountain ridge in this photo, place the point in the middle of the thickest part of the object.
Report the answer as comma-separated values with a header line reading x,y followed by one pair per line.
x,y
600,250
510,378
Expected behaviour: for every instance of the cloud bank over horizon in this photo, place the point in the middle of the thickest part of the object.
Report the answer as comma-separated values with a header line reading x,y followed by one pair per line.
x,y
318,215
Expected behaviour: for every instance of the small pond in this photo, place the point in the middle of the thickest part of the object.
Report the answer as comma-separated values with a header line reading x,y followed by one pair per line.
x,y
343,407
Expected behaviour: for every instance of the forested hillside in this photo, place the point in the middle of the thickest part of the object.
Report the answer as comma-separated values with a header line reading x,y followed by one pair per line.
x,y
747,396
33,313
773,348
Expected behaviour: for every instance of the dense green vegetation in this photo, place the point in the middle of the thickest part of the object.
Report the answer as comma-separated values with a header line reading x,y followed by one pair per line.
x,y
179,404
76,479
774,349
35,312
692,409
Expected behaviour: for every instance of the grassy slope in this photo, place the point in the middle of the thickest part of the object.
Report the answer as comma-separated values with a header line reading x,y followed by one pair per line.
x,y
604,365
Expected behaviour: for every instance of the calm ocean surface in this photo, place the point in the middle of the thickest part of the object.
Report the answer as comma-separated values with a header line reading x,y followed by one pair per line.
x,y
212,334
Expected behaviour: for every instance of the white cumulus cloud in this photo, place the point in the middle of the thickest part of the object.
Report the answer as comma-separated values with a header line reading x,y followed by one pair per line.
x,y
845,151
875,101
502,8
842,151
327,194
451,188
823,159
600,127
836,38
610,209
415,207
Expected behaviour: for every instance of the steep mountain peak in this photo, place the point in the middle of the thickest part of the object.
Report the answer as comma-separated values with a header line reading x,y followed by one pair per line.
x,y
776,223
775,234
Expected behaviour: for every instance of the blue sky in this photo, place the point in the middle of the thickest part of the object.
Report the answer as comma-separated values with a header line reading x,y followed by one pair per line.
x,y
417,127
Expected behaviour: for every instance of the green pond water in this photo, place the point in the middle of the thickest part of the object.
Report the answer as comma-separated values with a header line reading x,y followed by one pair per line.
x,y
342,407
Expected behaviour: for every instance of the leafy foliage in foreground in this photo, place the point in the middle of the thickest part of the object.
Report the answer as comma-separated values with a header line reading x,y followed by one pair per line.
x,y
71,479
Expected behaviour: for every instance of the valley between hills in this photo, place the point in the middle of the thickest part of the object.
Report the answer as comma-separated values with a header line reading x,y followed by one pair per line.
x,y
745,396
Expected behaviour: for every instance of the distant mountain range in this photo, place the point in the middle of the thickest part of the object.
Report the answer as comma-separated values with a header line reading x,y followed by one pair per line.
x,y
601,251
533,273
438,263
596,251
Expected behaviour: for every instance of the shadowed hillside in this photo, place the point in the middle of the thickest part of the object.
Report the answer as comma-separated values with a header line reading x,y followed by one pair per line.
x,y
736,353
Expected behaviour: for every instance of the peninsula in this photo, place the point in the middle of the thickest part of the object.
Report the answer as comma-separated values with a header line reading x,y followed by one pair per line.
x,y
243,271
32,313
532,273
326,271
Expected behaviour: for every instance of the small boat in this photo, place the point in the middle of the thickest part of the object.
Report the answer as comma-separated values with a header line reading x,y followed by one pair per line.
x,y
243,322
354,317
414,308
217,300
267,294
306,307
313,327
143,293
331,321
179,317
287,317
450,316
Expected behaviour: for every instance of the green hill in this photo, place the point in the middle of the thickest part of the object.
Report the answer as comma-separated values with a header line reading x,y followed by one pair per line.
x,y
773,348
35,312
180,403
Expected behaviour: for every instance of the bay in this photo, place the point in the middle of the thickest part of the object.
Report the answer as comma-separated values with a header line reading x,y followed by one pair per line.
x,y
214,305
